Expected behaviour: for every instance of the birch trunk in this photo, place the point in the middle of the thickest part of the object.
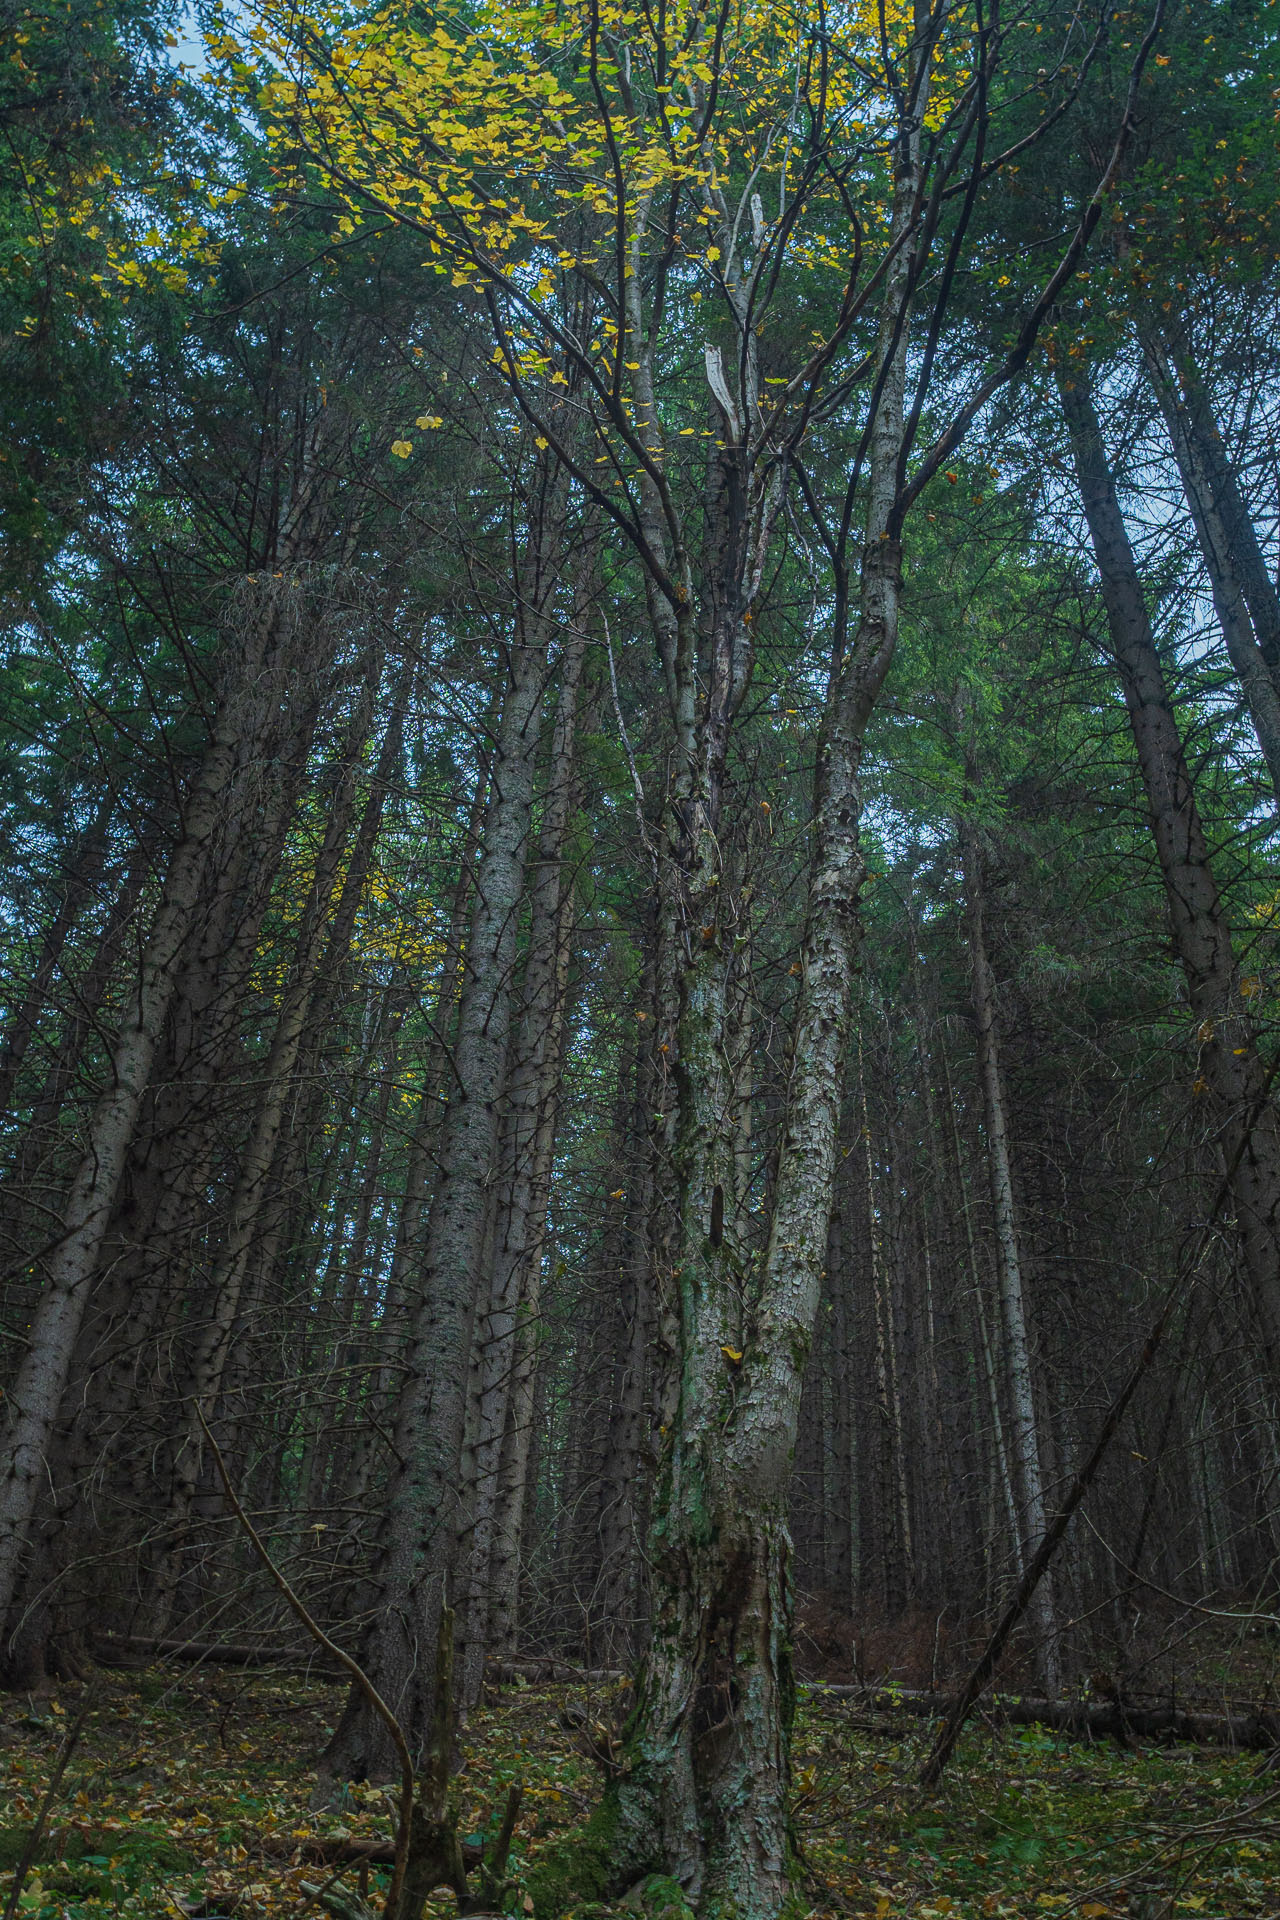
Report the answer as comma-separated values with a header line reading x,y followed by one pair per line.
x,y
704,1795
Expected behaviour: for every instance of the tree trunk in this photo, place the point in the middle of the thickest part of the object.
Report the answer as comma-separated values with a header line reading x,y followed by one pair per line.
x,y
528,1151
418,1553
1230,1072
414,1210
704,1796
1224,530
1015,1346
209,1359
68,1270
890,1504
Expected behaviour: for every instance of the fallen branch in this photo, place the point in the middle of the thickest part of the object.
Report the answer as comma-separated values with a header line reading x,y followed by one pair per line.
x,y
108,1648
27,1857
1255,1731
989,1659
333,1850
344,1660
536,1671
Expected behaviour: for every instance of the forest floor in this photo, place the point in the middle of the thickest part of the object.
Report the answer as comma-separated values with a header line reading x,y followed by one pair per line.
x,y
189,1795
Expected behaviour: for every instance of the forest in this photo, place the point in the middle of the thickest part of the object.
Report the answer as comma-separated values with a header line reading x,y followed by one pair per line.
x,y
640,959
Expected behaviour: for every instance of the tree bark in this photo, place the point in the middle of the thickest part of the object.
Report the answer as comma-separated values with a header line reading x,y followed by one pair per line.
x,y
704,1794
1015,1346
208,1361
68,1270
1230,1073
1243,594
419,1549
528,1151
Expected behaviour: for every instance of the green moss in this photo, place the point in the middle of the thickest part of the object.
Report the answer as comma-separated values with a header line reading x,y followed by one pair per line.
x,y
13,1840
661,1898
139,1847
579,1867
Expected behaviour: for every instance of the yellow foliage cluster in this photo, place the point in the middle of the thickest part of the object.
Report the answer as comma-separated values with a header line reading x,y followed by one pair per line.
x,y
495,140
393,928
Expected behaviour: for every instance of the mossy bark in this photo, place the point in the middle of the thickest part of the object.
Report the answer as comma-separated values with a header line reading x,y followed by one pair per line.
x,y
702,1796
705,1797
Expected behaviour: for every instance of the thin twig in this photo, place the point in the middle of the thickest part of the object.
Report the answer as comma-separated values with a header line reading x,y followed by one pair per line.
x,y
988,1660
344,1659
27,1857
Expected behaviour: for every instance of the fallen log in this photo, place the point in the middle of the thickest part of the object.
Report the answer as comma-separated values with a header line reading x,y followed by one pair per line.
x,y
535,1672
127,1649
1254,1731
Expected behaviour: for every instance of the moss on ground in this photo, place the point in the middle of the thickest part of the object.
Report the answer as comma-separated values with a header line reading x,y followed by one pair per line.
x,y
576,1867
194,1796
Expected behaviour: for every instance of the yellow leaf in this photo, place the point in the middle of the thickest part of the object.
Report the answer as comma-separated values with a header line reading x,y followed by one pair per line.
x,y
732,1355
428,420
402,449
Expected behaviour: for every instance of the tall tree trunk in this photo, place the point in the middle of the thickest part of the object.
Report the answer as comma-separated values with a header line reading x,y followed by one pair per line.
x,y
1237,553
1015,1348
891,1506
528,1152
208,1361
1230,1073
67,1272
418,1552
1238,576
704,1795
414,1209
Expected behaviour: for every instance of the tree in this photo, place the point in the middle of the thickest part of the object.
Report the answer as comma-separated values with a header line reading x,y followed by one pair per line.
x,y
597,169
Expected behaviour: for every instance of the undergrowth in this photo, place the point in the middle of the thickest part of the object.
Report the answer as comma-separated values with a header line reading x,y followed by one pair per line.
x,y
189,1795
